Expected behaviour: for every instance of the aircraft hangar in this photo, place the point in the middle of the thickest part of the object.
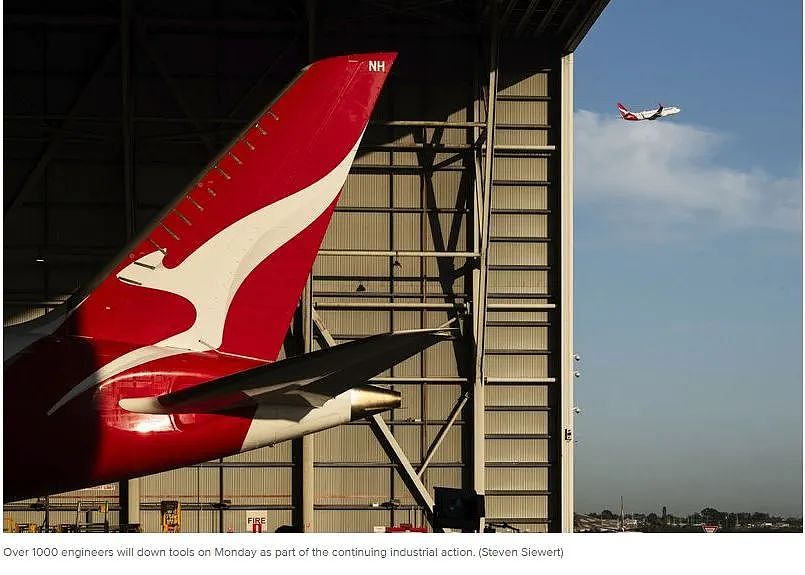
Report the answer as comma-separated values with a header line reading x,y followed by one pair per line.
x,y
457,211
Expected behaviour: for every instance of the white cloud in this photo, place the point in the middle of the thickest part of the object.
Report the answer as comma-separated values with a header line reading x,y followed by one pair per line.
x,y
665,173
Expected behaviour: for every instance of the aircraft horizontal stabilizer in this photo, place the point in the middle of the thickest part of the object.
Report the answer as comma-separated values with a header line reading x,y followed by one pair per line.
x,y
307,380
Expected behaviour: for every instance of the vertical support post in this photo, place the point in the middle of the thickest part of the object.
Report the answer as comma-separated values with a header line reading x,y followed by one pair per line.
x,y
128,490
471,327
221,489
566,296
480,297
126,118
129,496
303,451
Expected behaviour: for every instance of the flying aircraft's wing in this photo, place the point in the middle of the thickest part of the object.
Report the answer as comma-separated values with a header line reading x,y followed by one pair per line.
x,y
656,114
311,379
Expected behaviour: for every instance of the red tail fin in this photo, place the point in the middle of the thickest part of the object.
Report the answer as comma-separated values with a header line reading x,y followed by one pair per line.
x,y
626,114
223,266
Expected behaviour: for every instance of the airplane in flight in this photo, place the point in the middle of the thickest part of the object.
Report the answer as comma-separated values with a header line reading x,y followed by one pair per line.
x,y
170,357
654,114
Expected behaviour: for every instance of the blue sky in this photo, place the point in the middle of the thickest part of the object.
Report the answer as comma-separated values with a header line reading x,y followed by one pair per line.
x,y
688,295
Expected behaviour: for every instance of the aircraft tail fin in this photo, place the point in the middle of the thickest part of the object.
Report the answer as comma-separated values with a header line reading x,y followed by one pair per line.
x,y
223,266
626,114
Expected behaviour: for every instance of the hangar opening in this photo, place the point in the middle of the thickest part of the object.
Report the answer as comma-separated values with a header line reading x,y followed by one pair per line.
x,y
457,211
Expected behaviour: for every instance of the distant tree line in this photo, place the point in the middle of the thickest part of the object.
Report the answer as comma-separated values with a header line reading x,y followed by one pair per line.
x,y
708,516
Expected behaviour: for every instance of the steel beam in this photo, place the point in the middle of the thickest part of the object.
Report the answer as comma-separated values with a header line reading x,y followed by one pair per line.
x,y
129,499
126,118
566,296
58,139
399,254
431,379
231,122
58,20
525,306
480,297
145,43
526,17
507,12
304,445
446,148
523,148
437,441
519,380
547,18
425,124
569,17
171,24
389,443
128,490
324,333
385,305
404,467
581,30
236,122
420,11
477,228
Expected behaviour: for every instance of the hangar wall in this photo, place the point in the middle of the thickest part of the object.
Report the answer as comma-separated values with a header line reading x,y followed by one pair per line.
x,y
107,117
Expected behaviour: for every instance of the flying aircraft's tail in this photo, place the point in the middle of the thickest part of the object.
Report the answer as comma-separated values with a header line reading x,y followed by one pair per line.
x,y
626,114
223,266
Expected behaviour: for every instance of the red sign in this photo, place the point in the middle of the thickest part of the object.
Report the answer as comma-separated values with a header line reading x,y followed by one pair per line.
x,y
710,528
256,521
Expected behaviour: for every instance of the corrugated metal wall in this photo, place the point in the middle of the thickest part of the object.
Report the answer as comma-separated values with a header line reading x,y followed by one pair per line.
x,y
411,189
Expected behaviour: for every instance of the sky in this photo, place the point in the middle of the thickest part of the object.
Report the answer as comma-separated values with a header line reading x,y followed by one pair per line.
x,y
688,258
